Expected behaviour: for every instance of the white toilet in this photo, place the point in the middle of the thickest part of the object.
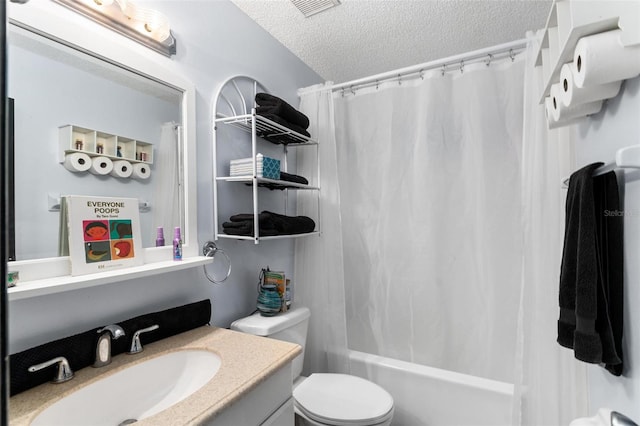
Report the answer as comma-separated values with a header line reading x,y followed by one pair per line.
x,y
322,399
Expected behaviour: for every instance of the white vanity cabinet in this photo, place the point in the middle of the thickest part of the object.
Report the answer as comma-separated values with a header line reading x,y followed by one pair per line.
x,y
270,403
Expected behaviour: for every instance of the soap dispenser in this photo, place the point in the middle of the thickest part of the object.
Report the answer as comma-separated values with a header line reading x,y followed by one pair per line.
x,y
103,347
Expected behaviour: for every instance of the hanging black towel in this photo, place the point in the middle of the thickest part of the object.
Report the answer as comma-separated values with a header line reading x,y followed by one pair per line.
x,y
590,297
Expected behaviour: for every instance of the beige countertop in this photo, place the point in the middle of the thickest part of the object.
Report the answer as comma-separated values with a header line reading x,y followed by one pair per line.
x,y
246,361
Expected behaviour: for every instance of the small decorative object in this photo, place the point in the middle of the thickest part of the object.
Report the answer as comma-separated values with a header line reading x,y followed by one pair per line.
x,y
269,301
100,148
79,144
12,278
119,151
143,156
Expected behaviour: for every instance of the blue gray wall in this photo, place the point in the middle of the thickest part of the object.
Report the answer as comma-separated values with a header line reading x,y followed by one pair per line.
x,y
598,139
215,41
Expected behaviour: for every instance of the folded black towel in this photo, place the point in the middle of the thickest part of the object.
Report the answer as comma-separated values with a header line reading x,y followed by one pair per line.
x,y
285,177
269,104
591,270
269,222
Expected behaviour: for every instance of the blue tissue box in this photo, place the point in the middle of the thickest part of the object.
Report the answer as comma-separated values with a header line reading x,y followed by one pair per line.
x,y
270,168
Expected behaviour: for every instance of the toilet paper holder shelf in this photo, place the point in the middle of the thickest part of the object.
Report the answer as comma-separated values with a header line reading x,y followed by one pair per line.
x,y
53,204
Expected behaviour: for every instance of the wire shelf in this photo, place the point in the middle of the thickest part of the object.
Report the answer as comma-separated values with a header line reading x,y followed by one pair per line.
x,y
267,129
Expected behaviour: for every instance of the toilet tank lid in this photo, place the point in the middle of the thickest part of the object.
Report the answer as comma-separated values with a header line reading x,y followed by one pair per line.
x,y
258,325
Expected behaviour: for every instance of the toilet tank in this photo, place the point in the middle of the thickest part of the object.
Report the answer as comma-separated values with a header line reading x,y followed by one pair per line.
x,y
289,326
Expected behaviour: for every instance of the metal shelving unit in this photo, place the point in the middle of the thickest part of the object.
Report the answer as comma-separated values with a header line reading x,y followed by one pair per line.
x,y
260,130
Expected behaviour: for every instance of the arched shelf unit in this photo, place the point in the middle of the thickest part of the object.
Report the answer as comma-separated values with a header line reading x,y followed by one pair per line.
x,y
234,107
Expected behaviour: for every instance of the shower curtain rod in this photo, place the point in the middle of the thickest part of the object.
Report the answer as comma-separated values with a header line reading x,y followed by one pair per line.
x,y
486,54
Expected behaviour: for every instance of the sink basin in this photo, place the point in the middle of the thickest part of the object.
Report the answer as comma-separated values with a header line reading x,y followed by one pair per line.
x,y
136,392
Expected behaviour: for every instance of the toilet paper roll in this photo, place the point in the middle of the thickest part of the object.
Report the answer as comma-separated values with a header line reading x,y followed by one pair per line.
x,y
573,95
601,59
122,169
551,122
141,171
77,162
561,112
101,165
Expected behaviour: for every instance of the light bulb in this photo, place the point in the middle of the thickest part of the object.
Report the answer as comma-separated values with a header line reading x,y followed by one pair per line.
x,y
127,7
155,24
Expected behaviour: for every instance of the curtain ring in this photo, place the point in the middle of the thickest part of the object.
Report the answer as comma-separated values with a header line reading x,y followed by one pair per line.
x,y
351,89
210,250
462,66
377,84
512,55
444,69
421,74
489,59
399,80
343,92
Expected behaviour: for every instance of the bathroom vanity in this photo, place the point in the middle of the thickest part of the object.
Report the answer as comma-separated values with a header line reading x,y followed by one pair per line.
x,y
251,387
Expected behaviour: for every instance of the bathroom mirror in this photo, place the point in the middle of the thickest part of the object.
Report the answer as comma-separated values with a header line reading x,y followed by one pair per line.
x,y
61,72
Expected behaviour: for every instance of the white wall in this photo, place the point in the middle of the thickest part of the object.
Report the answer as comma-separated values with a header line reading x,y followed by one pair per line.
x,y
215,41
617,126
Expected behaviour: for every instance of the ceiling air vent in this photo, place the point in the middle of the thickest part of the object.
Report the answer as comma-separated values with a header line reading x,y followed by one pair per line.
x,y
311,7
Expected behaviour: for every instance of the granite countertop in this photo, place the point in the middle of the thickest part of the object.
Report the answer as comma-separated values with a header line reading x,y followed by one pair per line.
x,y
247,360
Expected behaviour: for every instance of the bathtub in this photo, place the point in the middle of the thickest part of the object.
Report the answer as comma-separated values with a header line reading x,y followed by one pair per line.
x,y
430,396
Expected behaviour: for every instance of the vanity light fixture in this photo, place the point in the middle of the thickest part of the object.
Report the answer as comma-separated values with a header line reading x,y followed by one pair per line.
x,y
146,26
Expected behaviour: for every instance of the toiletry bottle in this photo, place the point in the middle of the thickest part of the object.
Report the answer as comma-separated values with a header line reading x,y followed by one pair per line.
x,y
159,237
177,244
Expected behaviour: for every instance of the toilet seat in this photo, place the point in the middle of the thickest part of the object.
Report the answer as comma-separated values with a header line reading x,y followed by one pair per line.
x,y
341,400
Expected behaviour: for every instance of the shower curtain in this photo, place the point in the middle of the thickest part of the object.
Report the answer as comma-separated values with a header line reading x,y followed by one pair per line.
x,y
429,174
441,217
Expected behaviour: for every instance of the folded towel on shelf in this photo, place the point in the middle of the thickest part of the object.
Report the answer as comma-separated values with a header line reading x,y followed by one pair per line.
x,y
269,224
590,296
269,104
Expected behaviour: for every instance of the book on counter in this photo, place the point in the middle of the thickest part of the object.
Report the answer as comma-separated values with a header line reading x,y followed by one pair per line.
x,y
103,233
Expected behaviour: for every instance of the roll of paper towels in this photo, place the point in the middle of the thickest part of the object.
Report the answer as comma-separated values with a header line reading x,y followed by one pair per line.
x,y
141,171
562,112
573,95
77,162
601,59
101,165
122,169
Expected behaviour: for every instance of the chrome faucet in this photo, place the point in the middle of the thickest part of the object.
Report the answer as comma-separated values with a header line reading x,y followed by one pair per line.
x,y
103,347
136,346
64,372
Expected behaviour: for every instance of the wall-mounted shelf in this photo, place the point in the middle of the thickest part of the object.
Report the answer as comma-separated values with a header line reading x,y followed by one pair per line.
x,y
570,20
238,94
95,143
41,287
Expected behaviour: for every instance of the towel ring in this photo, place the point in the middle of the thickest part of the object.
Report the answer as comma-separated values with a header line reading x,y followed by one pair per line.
x,y
210,250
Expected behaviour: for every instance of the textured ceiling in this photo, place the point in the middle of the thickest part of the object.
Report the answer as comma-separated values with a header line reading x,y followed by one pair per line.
x,y
360,38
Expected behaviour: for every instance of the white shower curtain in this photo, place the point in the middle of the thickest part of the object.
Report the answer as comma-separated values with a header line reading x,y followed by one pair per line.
x,y
550,385
429,174
442,228
318,265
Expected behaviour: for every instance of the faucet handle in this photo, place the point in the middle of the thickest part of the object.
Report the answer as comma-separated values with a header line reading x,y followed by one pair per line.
x,y
136,346
64,372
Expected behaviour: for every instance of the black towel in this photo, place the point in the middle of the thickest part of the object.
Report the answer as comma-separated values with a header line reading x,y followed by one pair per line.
x,y
269,224
269,104
591,280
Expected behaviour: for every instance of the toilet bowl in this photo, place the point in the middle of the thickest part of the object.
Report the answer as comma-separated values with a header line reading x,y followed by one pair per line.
x,y
322,398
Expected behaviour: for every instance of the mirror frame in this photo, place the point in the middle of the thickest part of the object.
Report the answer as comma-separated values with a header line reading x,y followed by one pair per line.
x,y
57,23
